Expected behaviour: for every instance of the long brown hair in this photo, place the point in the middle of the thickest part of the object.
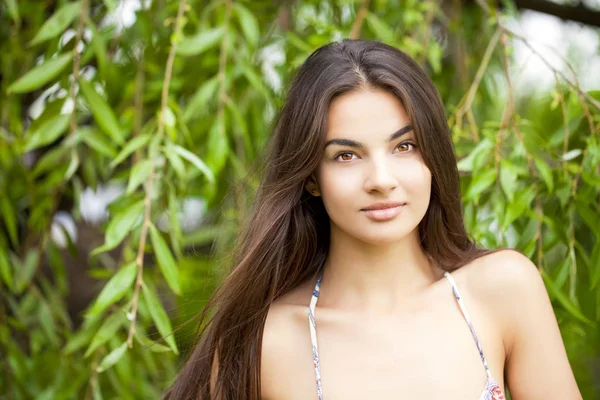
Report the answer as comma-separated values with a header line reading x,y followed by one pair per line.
x,y
286,238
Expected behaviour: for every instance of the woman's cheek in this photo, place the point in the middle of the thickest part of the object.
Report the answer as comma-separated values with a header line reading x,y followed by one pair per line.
x,y
339,187
418,185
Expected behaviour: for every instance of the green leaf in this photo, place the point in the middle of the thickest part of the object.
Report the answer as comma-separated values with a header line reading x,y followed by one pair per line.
x,y
174,225
106,331
105,118
595,266
199,101
508,179
591,177
563,192
293,39
218,149
200,42
47,322
47,132
160,317
5,334
50,160
194,159
112,358
41,74
589,215
175,161
116,288
381,30
78,340
97,141
170,121
159,348
434,56
255,79
412,47
248,23
120,225
564,300
480,183
166,262
13,10
139,173
129,148
26,270
5,269
204,235
57,23
563,273
111,5
517,207
412,16
99,46
480,152
242,133
169,118
545,172
73,166
9,217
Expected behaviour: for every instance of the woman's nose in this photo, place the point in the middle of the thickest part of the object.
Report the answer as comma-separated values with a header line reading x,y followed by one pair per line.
x,y
380,176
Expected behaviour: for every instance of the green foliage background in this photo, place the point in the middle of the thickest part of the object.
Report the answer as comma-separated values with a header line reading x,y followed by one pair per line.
x,y
180,104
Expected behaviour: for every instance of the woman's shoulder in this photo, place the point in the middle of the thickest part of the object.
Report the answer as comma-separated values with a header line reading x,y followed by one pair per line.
x,y
502,273
285,349
507,285
287,313
510,285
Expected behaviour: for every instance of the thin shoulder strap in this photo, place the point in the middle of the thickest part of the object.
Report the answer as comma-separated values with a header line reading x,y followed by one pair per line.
x,y
463,309
313,336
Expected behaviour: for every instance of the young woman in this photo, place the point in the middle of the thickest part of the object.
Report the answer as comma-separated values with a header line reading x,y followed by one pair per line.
x,y
355,278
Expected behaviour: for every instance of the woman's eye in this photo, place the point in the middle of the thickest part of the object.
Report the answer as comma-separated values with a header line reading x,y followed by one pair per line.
x,y
405,145
344,156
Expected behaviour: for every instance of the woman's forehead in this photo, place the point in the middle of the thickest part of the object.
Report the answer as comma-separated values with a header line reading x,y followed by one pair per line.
x,y
373,114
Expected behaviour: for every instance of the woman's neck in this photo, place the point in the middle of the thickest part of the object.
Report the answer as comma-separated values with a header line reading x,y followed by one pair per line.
x,y
375,278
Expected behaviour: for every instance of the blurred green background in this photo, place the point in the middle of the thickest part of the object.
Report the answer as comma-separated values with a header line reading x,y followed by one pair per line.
x,y
128,129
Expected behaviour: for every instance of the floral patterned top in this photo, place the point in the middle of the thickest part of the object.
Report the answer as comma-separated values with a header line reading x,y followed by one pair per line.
x,y
491,391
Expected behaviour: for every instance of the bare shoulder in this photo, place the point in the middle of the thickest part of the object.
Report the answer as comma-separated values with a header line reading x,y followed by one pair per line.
x,y
286,343
504,273
511,288
285,315
280,324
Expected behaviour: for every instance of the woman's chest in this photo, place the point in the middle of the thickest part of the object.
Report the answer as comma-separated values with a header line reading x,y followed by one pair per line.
x,y
429,355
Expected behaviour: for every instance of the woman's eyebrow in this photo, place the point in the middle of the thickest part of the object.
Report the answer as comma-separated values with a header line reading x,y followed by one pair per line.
x,y
352,143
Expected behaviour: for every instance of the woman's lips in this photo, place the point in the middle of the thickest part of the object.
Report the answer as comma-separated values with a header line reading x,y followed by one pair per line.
x,y
383,213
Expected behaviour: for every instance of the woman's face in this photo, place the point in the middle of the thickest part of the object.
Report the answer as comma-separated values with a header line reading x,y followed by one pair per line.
x,y
372,179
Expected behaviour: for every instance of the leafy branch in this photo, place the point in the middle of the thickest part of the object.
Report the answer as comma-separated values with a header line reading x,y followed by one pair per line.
x,y
149,182
359,20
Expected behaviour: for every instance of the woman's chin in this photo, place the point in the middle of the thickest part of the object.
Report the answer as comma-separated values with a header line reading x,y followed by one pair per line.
x,y
372,233
383,240
381,237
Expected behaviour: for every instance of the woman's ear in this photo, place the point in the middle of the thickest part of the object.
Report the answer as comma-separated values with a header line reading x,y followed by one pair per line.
x,y
312,186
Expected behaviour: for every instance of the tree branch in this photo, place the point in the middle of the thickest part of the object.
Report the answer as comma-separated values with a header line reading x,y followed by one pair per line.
x,y
76,62
574,85
579,13
358,21
148,185
223,66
